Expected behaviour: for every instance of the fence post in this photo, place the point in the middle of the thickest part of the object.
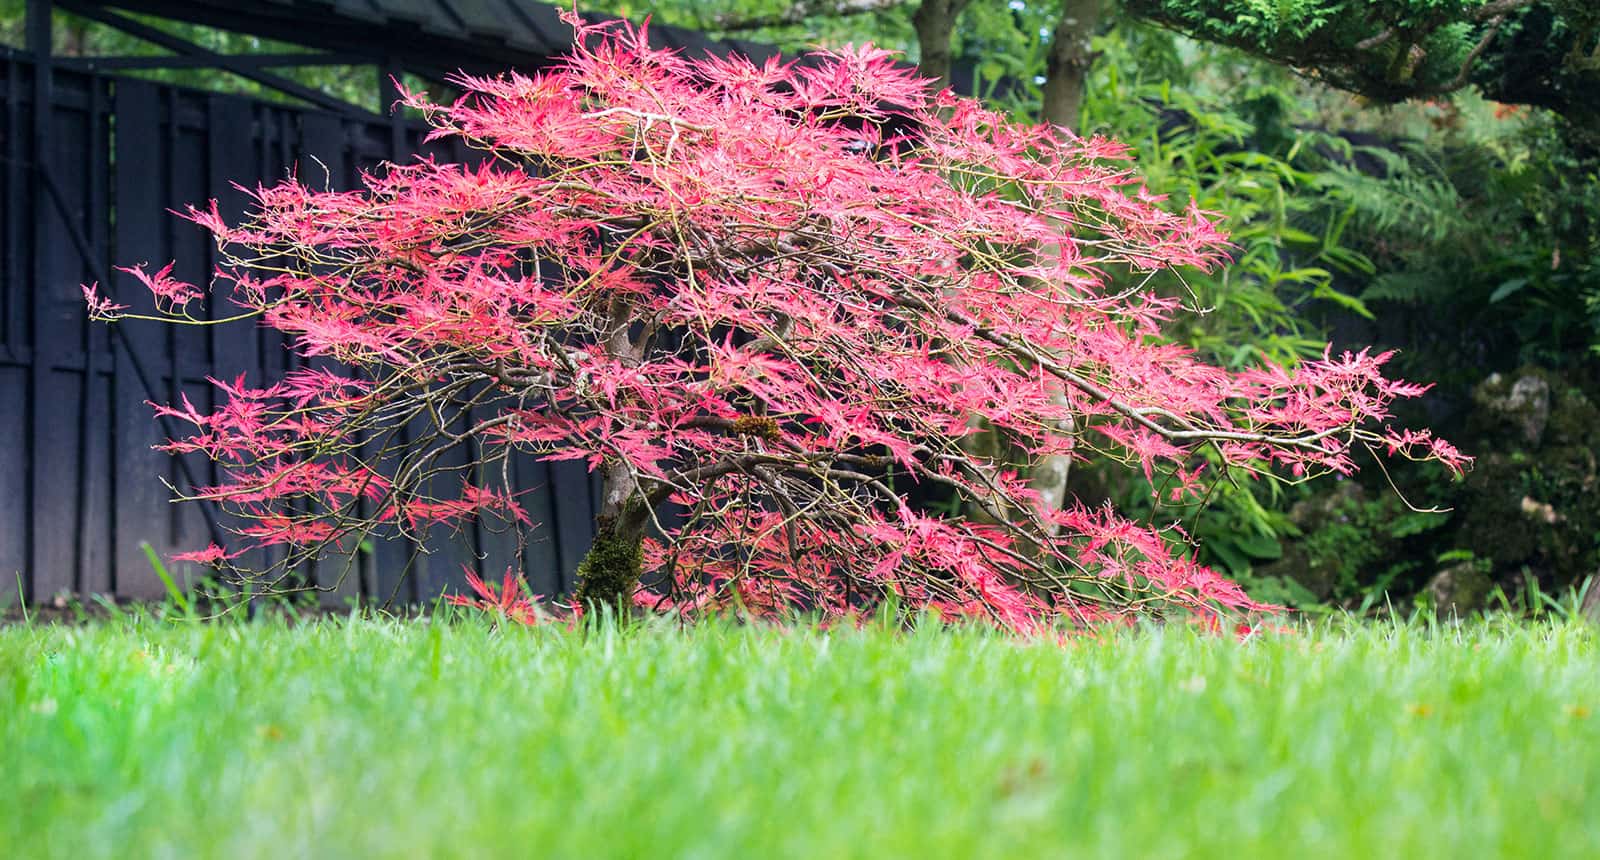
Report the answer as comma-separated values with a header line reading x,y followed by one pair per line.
x,y
39,34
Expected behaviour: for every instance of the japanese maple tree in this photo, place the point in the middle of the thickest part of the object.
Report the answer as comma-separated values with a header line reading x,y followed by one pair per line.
x,y
774,296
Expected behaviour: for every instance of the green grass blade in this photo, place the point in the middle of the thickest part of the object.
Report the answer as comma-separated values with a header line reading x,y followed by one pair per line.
x,y
174,593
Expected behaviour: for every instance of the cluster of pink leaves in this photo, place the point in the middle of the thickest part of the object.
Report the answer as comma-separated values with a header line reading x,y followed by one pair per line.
x,y
773,295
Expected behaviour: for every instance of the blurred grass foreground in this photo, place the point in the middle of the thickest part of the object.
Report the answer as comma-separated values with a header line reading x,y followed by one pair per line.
x,y
137,737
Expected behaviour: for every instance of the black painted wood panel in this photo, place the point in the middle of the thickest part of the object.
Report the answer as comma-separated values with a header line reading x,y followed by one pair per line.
x,y
81,488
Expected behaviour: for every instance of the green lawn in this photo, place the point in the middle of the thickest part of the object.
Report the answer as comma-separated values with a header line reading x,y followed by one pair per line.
x,y
407,739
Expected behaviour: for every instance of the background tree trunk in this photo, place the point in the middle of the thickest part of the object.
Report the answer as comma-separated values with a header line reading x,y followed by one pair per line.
x,y
1068,63
935,22
1067,69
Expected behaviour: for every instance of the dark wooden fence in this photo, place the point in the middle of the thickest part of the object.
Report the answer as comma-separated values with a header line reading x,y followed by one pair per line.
x,y
80,488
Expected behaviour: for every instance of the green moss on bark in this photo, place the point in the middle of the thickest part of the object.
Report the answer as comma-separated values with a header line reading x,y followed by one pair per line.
x,y
610,571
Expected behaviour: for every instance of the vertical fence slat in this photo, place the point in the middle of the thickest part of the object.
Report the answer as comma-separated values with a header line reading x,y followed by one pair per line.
x,y
188,131
15,521
234,348
142,511
541,559
14,515
574,518
272,158
93,543
324,163
47,461
392,562
230,156
14,299
500,541
62,358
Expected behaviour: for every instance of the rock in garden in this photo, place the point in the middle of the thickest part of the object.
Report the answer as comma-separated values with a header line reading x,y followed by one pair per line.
x,y
1525,402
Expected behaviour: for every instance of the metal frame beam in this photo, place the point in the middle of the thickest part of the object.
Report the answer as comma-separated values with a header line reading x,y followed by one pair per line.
x,y
430,54
178,61
226,62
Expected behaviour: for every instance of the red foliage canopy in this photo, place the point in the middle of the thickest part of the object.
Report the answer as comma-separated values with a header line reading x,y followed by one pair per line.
x,y
776,296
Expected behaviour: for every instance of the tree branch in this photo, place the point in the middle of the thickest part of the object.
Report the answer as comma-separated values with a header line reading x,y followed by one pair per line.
x,y
1465,74
1499,8
1379,40
799,12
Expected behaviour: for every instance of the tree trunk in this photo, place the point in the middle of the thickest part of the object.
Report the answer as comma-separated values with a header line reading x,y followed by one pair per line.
x,y
1068,63
609,572
1067,73
935,22
1049,477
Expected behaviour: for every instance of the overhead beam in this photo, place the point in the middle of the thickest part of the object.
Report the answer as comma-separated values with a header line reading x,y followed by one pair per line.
x,y
425,53
225,62
172,61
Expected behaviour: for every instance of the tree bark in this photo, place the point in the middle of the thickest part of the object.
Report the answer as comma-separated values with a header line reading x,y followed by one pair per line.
x,y
1069,61
799,12
1067,69
1049,477
609,572
935,22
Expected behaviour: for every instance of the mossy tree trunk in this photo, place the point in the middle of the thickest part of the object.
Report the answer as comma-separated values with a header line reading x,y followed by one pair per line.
x,y
609,573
